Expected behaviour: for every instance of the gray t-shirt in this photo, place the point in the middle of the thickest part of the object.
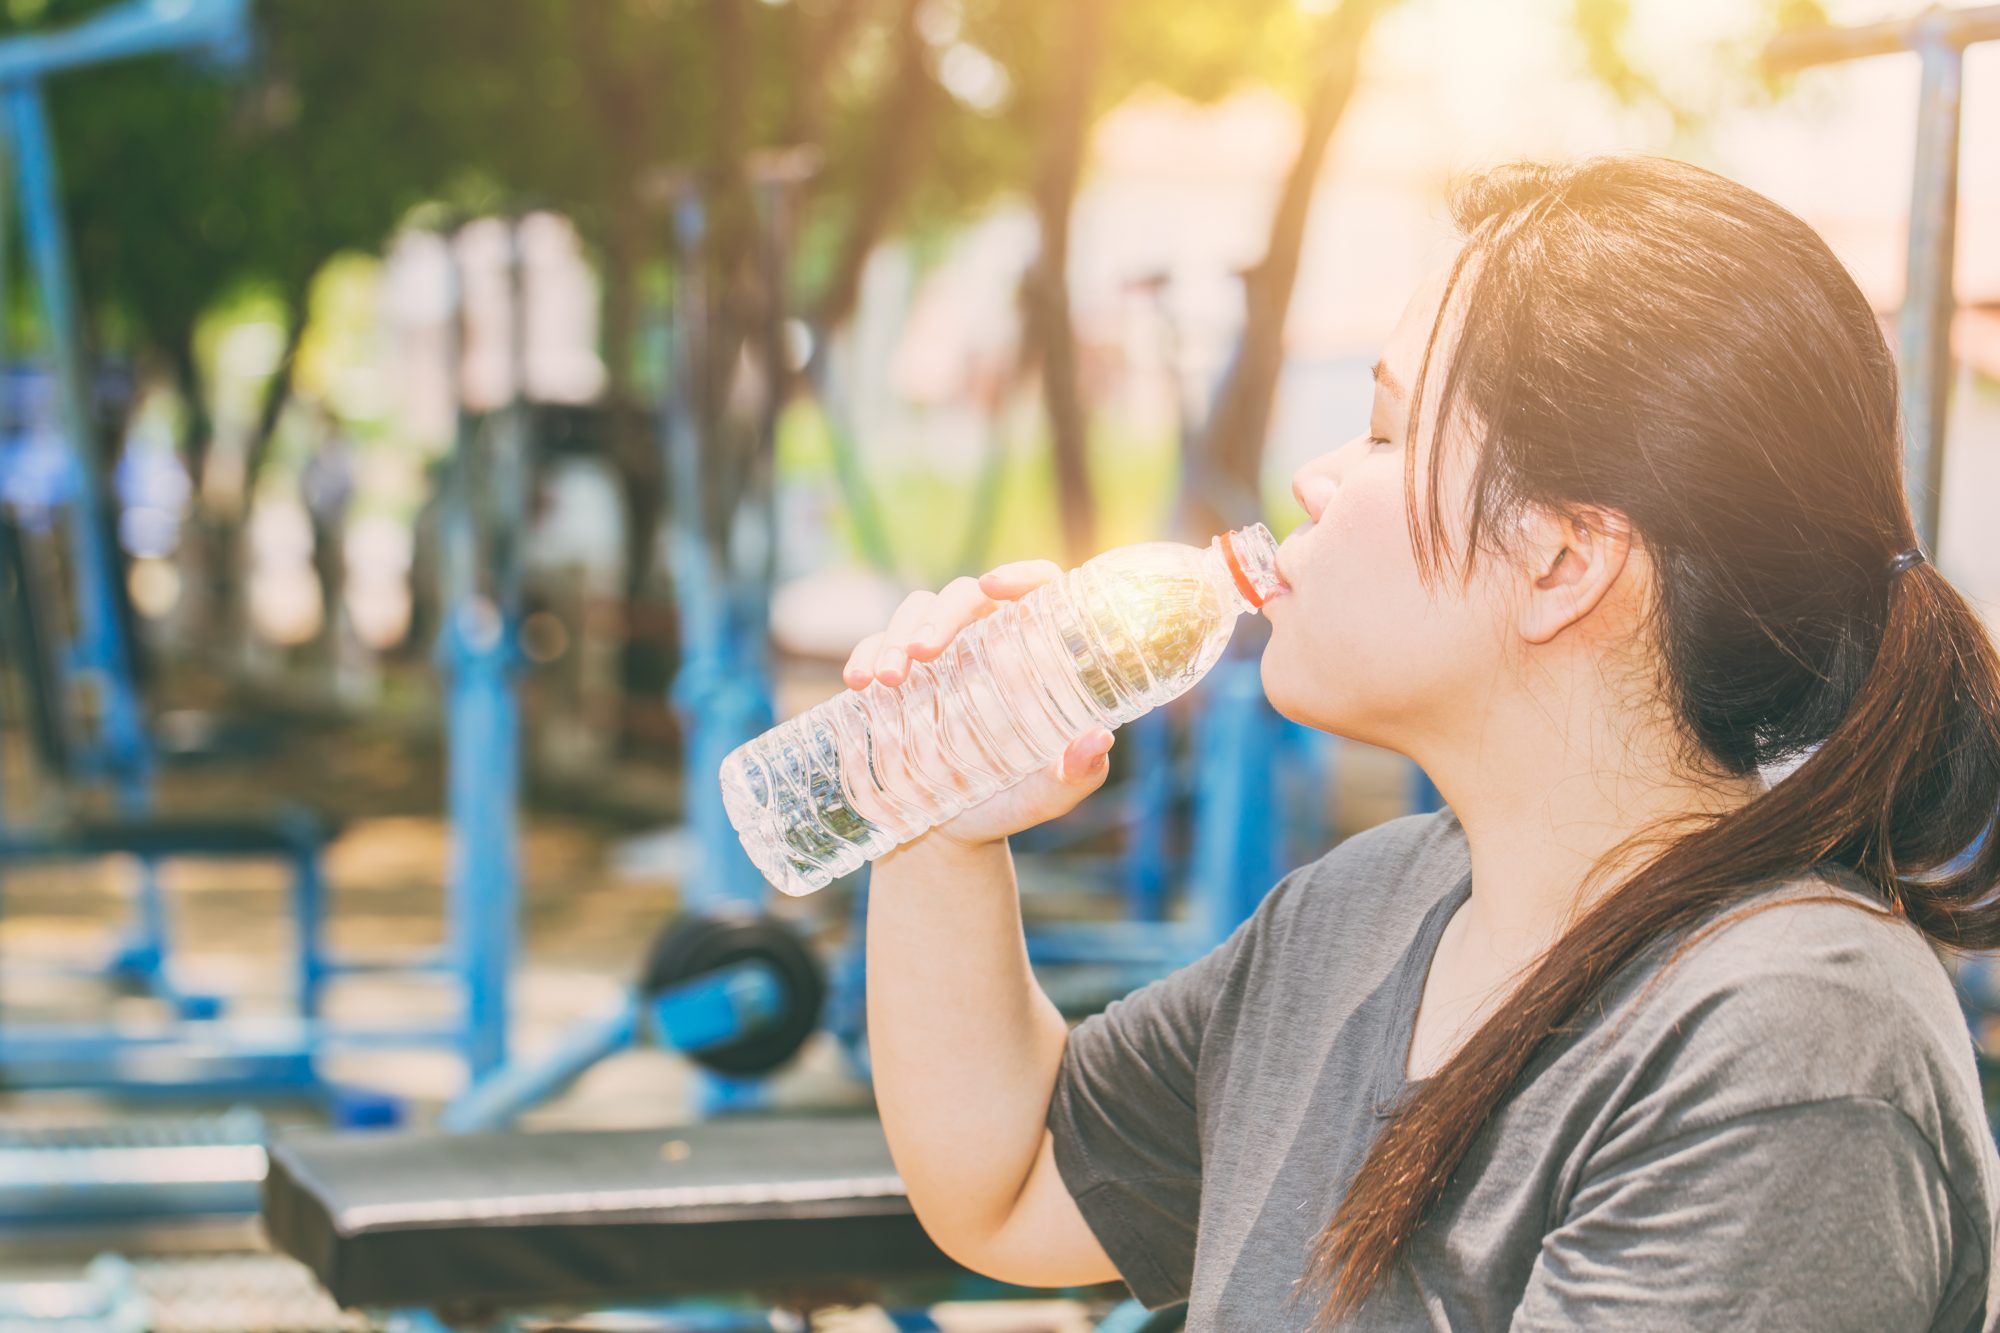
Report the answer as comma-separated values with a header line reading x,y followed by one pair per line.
x,y
1784,1130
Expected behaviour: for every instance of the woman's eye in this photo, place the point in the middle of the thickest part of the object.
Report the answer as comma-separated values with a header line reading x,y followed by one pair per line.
x,y
1376,441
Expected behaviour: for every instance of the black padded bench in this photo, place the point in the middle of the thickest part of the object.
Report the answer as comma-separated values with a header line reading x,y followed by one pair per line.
x,y
795,1211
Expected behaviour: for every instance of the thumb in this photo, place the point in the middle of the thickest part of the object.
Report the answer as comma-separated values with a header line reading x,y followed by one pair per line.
x,y
1086,761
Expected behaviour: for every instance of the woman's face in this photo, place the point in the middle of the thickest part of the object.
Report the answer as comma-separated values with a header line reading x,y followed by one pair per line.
x,y
1359,646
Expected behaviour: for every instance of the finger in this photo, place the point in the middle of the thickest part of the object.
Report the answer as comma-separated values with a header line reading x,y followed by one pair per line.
x,y
1086,759
860,668
892,662
958,604
1019,578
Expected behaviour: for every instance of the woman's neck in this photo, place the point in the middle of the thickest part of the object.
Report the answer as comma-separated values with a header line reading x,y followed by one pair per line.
x,y
1548,786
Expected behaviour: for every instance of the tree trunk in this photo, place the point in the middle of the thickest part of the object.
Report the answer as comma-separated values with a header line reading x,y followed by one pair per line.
x,y
196,429
901,124
202,539
1065,135
634,452
823,36
1233,441
625,115
277,393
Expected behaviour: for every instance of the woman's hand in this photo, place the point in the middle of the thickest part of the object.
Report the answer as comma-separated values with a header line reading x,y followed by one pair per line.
x,y
918,632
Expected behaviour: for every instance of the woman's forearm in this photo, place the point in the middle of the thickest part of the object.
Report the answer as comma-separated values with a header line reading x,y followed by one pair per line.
x,y
963,1042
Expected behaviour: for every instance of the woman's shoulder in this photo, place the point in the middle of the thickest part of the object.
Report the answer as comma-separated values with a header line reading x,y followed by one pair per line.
x,y
1807,993
1808,969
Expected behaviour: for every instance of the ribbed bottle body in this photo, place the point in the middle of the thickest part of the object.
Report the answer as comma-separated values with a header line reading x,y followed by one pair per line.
x,y
868,770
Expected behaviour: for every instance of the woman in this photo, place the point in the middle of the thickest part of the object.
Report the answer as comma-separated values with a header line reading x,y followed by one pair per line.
x,y
1630,1038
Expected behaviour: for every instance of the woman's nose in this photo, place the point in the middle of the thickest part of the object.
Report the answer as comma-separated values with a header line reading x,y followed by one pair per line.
x,y
1312,488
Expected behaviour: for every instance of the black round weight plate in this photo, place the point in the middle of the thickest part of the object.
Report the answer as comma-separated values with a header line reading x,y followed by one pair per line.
x,y
693,946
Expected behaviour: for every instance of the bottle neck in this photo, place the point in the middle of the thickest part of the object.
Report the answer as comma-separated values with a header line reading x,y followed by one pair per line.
x,y
1246,561
1216,562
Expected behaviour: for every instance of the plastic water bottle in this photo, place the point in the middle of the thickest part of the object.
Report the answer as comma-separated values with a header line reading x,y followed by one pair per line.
x,y
870,769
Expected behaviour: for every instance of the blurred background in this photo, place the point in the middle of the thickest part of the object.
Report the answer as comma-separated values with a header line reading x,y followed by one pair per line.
x,y
434,432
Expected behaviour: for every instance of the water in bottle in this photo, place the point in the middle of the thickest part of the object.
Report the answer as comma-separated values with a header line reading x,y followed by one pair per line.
x,y
870,769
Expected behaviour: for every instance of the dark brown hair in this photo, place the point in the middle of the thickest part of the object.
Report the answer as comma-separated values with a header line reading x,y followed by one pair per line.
x,y
1643,336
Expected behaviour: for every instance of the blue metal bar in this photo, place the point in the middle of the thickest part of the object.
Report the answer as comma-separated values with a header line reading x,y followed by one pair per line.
x,y
146,27
483,785
846,1013
720,690
912,1321
478,656
1237,840
158,1070
1803,48
308,923
1150,798
1924,327
328,1037
441,963
718,1007
1939,37
1126,1317
493,1102
1424,795
100,656
259,1038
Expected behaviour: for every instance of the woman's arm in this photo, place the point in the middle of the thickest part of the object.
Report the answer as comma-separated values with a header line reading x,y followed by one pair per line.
x,y
965,1048
964,1044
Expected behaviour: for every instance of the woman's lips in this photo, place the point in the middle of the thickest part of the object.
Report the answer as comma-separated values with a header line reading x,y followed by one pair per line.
x,y
1283,562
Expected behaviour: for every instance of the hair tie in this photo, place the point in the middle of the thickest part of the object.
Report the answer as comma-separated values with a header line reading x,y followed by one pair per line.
x,y
1906,561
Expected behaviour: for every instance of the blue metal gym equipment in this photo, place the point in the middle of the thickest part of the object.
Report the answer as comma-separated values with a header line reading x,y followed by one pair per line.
x,y
88,714
100,715
737,992
85,712
484,508
1939,37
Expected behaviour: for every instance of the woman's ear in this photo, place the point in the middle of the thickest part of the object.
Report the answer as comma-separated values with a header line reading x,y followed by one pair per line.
x,y
1572,561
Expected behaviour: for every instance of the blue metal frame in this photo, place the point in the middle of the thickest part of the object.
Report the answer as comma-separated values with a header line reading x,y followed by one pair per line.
x,y
479,659
1939,38
477,652
98,696
723,700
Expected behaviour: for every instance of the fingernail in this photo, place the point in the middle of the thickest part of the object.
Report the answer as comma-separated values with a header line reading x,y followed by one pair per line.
x,y
927,633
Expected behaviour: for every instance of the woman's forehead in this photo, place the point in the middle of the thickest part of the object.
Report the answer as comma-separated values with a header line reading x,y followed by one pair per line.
x,y
1404,350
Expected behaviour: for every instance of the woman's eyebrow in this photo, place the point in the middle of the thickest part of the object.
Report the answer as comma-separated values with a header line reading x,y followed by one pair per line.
x,y
1387,379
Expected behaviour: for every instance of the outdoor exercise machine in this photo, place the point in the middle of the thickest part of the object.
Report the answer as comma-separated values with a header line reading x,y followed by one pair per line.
x,y
95,716
736,990
1938,37
83,714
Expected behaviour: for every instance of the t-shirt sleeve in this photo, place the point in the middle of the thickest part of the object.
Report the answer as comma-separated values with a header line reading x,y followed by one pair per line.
x,y
1124,1121
1828,1215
